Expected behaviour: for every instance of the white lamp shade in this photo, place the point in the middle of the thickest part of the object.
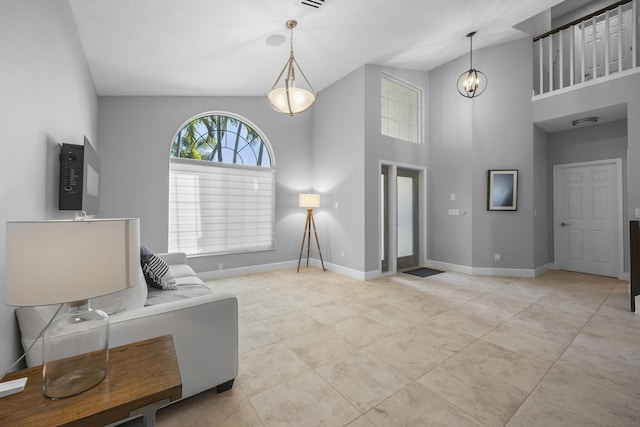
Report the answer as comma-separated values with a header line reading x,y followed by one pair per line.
x,y
309,200
52,262
299,100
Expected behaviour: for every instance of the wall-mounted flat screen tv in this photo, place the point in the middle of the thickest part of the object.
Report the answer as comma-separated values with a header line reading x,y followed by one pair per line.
x,y
79,188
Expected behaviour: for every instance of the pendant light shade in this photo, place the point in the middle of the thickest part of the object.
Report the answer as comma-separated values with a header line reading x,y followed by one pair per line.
x,y
472,82
288,96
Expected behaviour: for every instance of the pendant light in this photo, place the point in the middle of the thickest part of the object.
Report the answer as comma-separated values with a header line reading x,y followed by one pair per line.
x,y
472,82
289,98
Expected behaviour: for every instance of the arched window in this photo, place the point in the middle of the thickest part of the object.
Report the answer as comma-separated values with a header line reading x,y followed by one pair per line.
x,y
221,187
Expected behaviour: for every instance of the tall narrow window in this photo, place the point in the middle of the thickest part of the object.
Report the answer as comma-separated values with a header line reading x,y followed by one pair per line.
x,y
221,187
400,109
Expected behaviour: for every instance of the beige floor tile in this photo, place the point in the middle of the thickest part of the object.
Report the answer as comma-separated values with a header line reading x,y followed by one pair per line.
x,y
255,335
514,368
466,322
362,330
245,316
618,343
504,302
549,322
525,343
397,316
361,421
611,374
362,379
271,308
413,352
307,401
291,324
268,366
529,289
331,312
617,316
441,337
415,405
588,398
429,305
320,346
229,409
471,362
485,312
487,399
537,413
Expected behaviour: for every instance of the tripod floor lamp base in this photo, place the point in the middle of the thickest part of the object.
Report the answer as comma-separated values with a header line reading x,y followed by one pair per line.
x,y
310,222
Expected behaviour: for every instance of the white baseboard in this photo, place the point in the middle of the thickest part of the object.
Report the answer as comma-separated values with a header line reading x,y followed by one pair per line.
x,y
241,271
261,268
484,271
374,274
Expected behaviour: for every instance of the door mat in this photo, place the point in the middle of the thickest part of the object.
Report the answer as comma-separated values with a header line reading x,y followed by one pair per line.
x,y
423,272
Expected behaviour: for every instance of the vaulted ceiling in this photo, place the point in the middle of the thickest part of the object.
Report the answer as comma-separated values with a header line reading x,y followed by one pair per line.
x,y
225,47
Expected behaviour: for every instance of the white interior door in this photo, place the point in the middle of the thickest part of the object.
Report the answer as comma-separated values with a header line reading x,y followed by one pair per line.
x,y
588,233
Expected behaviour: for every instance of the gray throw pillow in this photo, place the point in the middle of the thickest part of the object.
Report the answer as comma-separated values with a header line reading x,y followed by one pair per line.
x,y
156,270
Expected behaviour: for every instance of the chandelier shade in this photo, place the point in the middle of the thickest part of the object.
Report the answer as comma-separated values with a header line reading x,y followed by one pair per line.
x,y
288,96
472,82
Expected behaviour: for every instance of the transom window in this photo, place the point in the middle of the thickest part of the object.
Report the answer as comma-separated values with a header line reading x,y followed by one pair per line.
x,y
400,109
221,187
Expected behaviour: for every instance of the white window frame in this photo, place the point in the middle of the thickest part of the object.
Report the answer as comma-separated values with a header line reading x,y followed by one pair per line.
x,y
214,217
390,117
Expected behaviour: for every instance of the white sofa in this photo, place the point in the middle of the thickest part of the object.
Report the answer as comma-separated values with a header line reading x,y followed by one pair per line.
x,y
204,327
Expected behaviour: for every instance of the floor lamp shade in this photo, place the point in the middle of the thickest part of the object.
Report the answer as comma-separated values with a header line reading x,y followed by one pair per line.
x,y
52,262
309,200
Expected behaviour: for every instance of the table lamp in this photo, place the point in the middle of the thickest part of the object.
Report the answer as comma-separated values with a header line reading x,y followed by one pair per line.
x,y
54,262
309,201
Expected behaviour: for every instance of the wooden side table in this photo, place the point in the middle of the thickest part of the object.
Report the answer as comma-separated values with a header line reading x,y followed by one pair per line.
x,y
142,377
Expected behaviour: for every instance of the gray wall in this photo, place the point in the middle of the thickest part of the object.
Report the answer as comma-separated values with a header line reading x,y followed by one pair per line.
x,y
47,98
542,200
471,136
451,165
604,141
338,169
135,136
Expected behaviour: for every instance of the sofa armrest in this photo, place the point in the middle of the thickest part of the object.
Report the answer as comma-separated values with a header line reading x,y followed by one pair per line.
x,y
173,258
205,334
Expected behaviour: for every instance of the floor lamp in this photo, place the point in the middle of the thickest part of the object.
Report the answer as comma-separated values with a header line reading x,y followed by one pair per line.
x,y
309,201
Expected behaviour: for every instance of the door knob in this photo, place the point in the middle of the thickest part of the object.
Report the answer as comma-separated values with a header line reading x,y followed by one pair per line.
x,y
563,224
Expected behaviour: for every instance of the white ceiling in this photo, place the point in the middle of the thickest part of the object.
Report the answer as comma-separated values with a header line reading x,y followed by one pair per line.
x,y
218,47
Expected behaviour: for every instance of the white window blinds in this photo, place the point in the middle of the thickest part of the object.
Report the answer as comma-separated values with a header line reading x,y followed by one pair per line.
x,y
220,208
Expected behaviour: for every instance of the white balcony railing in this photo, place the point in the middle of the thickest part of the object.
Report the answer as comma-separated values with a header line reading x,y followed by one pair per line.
x,y
597,46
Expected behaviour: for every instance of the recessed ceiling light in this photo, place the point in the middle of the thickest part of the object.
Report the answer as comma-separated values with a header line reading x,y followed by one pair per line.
x,y
585,121
275,40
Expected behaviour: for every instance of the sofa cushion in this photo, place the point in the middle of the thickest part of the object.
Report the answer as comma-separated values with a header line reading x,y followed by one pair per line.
x,y
128,299
156,270
184,291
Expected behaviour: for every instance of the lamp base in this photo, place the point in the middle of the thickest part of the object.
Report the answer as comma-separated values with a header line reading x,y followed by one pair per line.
x,y
75,351
74,382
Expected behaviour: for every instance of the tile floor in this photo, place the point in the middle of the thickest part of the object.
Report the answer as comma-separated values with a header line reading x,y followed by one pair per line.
x,y
321,349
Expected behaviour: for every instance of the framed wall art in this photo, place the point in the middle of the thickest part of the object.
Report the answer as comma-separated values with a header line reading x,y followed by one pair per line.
x,y
503,190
